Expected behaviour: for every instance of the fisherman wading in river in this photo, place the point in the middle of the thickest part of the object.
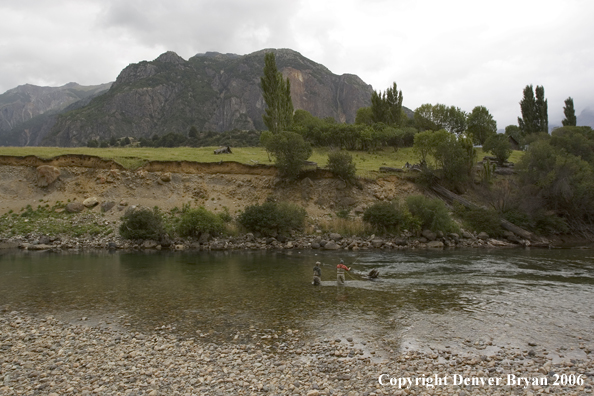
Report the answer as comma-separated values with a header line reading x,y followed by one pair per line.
x,y
340,268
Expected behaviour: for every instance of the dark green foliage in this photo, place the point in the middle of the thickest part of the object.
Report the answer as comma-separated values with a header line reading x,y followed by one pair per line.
x,y
289,151
277,95
364,116
194,222
439,116
104,144
559,171
272,218
431,213
569,111
113,141
93,143
480,220
481,125
534,111
499,146
193,132
454,155
341,164
142,224
388,216
386,107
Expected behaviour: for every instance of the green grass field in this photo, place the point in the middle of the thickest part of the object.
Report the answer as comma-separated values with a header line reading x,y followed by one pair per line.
x,y
131,158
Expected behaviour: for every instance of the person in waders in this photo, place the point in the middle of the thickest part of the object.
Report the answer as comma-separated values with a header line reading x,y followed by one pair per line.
x,y
340,268
317,274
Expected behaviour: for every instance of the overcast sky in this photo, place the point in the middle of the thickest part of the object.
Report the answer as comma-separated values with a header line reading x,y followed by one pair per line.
x,y
458,52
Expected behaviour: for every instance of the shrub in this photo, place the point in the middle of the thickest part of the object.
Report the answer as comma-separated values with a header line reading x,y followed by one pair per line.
x,y
194,222
431,213
388,216
142,224
341,165
480,220
499,146
272,218
289,151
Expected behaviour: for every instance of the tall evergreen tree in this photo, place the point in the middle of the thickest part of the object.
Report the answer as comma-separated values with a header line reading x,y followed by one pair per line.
x,y
277,95
386,106
569,111
534,111
542,110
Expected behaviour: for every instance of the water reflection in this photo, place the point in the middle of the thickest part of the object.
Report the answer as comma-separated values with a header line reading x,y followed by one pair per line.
x,y
426,297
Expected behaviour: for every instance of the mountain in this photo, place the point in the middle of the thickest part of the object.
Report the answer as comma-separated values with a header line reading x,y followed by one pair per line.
x,y
26,111
212,91
586,118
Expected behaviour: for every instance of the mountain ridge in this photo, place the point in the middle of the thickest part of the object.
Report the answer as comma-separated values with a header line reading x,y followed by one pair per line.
x,y
212,91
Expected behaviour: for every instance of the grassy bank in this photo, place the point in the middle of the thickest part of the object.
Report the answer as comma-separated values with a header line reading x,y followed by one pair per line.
x,y
133,157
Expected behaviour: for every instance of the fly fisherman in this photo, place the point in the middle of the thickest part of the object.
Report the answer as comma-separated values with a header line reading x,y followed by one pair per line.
x,y
340,268
317,274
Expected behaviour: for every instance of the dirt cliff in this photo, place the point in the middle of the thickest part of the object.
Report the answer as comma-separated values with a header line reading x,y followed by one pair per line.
x,y
170,184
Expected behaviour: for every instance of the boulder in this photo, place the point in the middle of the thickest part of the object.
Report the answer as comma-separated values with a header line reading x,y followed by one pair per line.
x,y
75,207
331,245
91,202
335,237
148,244
166,177
106,206
483,235
377,243
430,235
46,175
435,244
399,241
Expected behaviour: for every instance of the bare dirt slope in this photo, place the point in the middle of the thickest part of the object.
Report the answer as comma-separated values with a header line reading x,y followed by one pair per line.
x,y
167,185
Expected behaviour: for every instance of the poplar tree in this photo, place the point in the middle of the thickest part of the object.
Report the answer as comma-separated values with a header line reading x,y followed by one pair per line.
x,y
569,111
542,110
277,95
386,106
534,111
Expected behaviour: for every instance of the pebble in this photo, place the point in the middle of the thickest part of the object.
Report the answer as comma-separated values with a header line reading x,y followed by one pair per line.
x,y
78,359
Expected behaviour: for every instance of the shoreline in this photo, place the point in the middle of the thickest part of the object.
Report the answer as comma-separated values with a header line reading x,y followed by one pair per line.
x,y
43,355
320,241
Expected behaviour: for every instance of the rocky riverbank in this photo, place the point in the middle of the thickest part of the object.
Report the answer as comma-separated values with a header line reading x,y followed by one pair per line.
x,y
43,355
316,241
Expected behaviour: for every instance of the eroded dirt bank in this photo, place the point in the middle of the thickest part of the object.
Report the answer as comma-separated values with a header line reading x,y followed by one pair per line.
x,y
168,184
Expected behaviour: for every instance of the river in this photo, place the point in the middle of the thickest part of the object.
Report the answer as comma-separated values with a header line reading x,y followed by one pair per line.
x,y
458,299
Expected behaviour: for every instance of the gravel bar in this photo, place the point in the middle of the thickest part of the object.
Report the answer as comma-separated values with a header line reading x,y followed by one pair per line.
x,y
46,356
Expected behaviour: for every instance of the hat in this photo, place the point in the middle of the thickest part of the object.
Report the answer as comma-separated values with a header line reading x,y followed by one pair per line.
x,y
318,263
341,261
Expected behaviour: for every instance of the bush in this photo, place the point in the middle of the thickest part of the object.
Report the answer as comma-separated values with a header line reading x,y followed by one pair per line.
x,y
431,213
272,218
290,152
480,220
341,165
388,216
194,222
142,224
499,146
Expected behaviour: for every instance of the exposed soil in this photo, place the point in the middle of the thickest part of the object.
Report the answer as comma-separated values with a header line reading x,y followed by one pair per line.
x,y
169,184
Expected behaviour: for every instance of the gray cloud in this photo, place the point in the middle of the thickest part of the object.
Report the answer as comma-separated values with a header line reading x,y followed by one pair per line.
x,y
462,52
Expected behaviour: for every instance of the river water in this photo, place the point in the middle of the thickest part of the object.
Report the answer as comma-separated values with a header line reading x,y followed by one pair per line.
x,y
458,299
